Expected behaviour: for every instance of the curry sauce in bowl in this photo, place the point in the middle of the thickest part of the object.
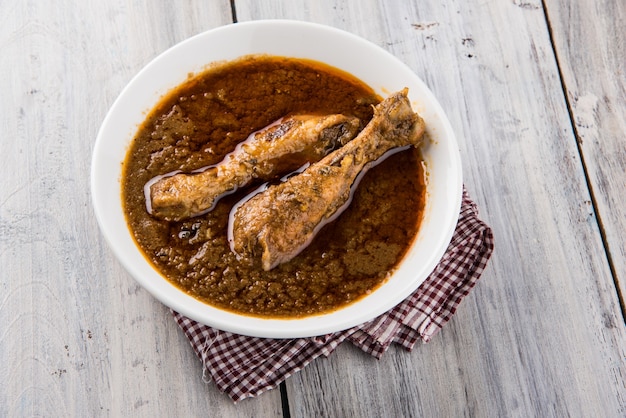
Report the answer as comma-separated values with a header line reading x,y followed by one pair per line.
x,y
370,257
207,117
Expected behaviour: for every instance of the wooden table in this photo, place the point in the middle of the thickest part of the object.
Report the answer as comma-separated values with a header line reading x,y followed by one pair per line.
x,y
536,92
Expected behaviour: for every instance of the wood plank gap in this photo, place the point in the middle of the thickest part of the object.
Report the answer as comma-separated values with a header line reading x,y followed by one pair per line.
x,y
594,202
284,400
233,11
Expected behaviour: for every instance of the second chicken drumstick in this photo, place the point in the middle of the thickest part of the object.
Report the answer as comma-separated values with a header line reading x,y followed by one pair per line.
x,y
278,149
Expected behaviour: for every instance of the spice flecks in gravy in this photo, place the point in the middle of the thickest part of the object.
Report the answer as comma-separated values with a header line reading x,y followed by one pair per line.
x,y
199,123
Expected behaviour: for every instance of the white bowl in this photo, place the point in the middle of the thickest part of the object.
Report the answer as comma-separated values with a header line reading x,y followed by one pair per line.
x,y
376,67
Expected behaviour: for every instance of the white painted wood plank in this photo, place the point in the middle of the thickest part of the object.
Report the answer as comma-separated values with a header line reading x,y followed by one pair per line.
x,y
589,41
78,337
542,334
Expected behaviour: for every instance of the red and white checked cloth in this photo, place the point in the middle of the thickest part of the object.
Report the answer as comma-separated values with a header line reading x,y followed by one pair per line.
x,y
244,366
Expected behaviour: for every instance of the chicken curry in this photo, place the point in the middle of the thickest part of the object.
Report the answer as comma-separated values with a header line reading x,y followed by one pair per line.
x,y
246,131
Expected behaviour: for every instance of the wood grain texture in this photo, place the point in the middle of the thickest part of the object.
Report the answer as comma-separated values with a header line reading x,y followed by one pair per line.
x,y
589,41
542,333
78,337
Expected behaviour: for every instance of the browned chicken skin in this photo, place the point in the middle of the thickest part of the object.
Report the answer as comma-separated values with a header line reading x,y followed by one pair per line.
x,y
277,149
279,222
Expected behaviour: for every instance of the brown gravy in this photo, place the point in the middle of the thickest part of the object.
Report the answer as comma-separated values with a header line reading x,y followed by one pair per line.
x,y
201,121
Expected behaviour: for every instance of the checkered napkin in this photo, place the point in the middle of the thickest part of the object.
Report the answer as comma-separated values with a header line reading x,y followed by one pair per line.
x,y
244,366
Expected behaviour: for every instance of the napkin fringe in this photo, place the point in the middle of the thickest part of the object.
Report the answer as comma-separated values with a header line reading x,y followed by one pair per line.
x,y
244,367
